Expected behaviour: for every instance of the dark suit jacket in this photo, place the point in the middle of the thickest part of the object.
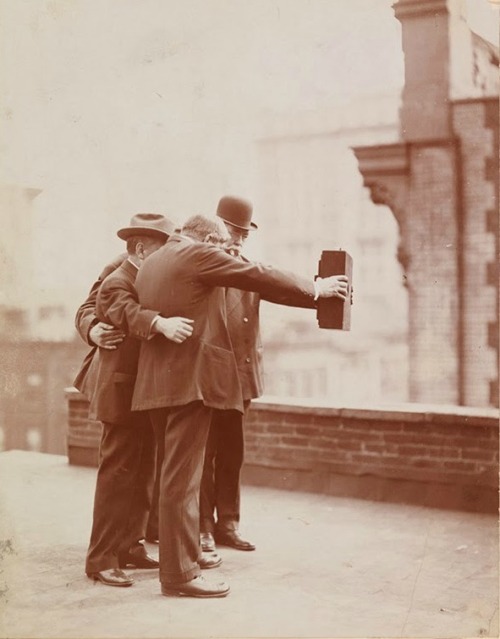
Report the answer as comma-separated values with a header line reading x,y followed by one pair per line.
x,y
117,304
242,308
183,278
85,319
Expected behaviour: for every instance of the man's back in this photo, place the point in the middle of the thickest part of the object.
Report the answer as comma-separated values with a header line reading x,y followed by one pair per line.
x,y
203,367
182,278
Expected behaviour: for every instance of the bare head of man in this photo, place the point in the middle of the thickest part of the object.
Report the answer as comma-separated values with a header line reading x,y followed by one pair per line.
x,y
201,228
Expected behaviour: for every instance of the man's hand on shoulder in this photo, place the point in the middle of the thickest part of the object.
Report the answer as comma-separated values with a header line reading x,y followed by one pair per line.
x,y
106,336
176,329
333,286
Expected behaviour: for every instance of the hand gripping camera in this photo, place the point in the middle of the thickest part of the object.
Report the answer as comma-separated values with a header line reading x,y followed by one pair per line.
x,y
332,312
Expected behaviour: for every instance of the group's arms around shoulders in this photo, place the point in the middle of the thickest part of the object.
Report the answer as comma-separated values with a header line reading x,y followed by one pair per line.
x,y
176,329
124,312
90,329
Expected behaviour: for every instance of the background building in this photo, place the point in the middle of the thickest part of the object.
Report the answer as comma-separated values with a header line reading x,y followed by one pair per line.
x,y
311,199
441,181
16,253
171,108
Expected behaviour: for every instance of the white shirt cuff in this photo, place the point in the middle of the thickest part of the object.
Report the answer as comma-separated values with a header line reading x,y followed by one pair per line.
x,y
316,289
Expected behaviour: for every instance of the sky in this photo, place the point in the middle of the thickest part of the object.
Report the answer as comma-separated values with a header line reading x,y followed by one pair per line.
x,y
115,106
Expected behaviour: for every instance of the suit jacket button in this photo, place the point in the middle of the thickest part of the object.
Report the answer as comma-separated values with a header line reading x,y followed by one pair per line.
x,y
245,319
248,360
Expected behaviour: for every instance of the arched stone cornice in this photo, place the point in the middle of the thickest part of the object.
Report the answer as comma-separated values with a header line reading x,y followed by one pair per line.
x,y
385,172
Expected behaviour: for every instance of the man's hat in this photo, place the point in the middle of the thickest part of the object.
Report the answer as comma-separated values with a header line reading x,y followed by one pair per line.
x,y
149,224
237,212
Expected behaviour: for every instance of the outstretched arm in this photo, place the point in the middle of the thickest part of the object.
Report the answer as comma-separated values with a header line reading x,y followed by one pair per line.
x,y
282,287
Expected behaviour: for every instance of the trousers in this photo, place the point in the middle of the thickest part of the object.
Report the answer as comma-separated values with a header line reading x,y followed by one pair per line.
x,y
220,484
123,491
182,431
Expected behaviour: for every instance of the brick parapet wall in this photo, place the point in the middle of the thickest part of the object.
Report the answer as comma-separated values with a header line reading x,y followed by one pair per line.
x,y
84,434
436,456
417,444
430,455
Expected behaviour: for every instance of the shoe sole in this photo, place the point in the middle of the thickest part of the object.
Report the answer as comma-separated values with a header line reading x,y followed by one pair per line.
x,y
135,566
177,593
245,548
107,583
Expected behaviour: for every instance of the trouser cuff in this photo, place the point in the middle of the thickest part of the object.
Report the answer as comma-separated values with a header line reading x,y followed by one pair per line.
x,y
225,525
176,579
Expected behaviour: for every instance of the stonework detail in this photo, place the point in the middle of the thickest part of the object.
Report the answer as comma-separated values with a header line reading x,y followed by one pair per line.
x,y
385,174
447,209
479,143
431,238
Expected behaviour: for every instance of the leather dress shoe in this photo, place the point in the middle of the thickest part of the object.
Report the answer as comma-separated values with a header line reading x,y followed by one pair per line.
x,y
137,558
207,542
233,539
209,560
112,577
197,587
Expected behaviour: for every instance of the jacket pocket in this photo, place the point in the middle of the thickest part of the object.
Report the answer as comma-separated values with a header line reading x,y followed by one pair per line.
x,y
120,396
220,381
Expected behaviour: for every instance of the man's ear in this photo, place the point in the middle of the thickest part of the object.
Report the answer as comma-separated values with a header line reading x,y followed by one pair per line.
x,y
139,250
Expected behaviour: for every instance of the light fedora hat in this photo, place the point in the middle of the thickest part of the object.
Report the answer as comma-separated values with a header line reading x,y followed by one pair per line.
x,y
236,212
149,224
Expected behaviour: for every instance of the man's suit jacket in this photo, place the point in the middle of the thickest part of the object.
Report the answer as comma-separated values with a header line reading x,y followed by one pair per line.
x,y
184,278
85,319
117,304
242,310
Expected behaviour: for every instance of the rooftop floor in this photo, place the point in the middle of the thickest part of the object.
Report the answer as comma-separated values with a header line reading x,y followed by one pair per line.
x,y
324,567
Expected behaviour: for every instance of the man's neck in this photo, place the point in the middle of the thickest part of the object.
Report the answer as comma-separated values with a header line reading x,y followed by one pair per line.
x,y
133,259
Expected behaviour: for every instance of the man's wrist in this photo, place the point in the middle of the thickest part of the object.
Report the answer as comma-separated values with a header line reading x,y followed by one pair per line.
x,y
317,288
152,329
93,323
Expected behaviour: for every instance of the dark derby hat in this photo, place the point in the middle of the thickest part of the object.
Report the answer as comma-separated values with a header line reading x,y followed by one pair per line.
x,y
237,212
149,224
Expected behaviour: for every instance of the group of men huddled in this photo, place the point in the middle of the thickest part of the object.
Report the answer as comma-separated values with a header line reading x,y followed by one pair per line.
x,y
175,360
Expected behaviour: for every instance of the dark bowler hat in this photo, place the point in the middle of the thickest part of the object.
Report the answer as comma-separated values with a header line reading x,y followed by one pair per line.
x,y
237,212
149,224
